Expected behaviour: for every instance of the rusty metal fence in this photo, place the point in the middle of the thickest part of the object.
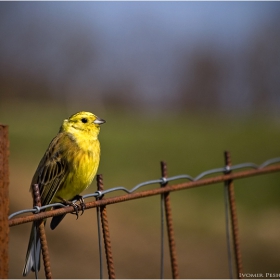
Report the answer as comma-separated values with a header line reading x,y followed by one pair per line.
x,y
226,174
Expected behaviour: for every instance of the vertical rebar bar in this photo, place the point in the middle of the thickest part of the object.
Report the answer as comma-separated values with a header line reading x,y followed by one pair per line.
x,y
42,235
170,227
106,233
4,201
234,221
228,230
99,241
162,236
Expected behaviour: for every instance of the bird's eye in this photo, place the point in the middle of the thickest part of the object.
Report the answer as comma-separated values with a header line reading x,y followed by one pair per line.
x,y
84,120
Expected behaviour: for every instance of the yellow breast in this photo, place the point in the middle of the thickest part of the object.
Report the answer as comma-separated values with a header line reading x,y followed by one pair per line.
x,y
82,156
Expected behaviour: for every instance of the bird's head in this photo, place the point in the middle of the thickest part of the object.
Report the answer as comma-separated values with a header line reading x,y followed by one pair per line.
x,y
82,123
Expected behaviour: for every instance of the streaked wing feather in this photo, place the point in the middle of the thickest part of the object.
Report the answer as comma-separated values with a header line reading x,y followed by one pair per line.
x,y
52,177
51,172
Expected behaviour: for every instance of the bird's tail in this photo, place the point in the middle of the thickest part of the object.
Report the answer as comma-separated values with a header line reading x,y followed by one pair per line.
x,y
32,260
56,221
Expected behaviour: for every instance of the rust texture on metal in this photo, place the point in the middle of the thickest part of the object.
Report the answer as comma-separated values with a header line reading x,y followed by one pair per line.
x,y
106,233
4,202
42,234
118,199
169,224
234,221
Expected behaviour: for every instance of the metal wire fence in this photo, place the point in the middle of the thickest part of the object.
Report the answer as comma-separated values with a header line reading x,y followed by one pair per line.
x,y
226,174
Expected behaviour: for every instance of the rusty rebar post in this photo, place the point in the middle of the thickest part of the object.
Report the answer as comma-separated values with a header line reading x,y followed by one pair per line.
x,y
169,224
4,201
42,234
234,221
106,233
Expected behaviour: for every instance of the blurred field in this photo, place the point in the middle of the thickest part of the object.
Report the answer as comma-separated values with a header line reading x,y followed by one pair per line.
x,y
133,143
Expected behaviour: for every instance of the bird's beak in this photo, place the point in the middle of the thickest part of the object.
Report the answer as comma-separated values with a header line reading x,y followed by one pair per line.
x,y
99,121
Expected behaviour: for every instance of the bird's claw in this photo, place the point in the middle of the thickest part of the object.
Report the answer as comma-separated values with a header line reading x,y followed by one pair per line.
x,y
75,205
71,203
76,209
82,203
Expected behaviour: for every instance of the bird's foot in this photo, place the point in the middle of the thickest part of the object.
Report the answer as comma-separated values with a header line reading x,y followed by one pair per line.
x,y
82,203
74,204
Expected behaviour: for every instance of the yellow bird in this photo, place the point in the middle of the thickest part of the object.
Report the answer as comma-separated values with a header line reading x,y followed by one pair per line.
x,y
66,169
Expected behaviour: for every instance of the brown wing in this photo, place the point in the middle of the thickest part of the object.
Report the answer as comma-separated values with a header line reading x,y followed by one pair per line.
x,y
51,172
